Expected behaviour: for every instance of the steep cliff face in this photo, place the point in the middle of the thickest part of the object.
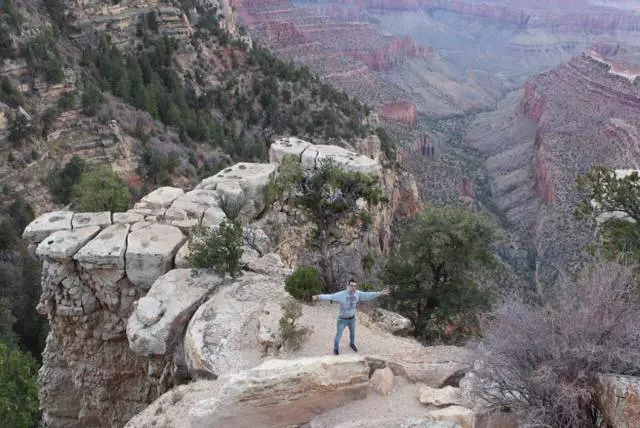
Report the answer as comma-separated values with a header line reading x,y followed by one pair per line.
x,y
541,138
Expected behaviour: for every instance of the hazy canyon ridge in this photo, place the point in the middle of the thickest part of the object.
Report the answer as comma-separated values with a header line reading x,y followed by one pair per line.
x,y
498,105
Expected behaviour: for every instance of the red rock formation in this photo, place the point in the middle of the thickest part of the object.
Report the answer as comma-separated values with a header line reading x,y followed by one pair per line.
x,y
282,32
424,145
533,102
544,184
466,188
401,111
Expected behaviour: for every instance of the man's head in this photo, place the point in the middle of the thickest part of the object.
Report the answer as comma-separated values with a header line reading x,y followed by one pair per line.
x,y
353,285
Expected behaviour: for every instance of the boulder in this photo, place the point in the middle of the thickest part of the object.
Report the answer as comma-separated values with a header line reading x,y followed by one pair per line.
x,y
217,339
382,381
105,250
269,264
391,321
46,224
288,146
281,393
101,219
63,244
446,396
417,422
150,252
161,316
269,329
435,374
619,400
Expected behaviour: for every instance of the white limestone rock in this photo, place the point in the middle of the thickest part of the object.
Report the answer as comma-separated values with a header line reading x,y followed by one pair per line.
x,y
213,216
245,181
106,250
458,414
127,217
216,339
441,396
46,224
280,393
391,321
196,202
63,244
160,317
288,146
150,252
101,219
181,256
162,197
349,160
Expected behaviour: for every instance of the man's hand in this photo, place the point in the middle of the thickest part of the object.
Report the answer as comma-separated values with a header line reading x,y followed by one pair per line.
x,y
315,297
385,291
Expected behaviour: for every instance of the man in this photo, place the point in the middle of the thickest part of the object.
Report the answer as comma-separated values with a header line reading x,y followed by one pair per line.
x,y
348,300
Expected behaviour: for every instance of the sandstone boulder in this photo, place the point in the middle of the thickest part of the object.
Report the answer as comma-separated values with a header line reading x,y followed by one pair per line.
x,y
46,224
161,316
619,399
435,374
281,393
150,252
101,219
416,422
382,381
106,250
63,244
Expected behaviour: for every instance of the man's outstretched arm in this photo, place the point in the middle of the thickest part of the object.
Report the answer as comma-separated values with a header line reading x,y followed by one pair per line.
x,y
333,297
370,295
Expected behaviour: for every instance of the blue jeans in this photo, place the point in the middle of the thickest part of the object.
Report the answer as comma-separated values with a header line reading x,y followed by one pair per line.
x,y
342,323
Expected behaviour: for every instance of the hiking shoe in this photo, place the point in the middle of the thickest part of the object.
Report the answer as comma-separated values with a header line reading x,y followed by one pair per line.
x,y
335,351
354,348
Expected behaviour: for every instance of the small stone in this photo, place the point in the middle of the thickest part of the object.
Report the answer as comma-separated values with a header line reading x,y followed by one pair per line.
x,y
382,381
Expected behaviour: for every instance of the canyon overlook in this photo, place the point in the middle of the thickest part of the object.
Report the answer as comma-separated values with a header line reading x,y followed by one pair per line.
x,y
129,320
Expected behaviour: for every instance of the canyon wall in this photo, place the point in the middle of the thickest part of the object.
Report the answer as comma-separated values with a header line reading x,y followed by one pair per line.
x,y
541,138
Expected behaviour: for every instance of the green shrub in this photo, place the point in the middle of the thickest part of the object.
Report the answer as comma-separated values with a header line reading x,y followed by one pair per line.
x,y
303,283
292,336
101,190
61,182
18,388
217,248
